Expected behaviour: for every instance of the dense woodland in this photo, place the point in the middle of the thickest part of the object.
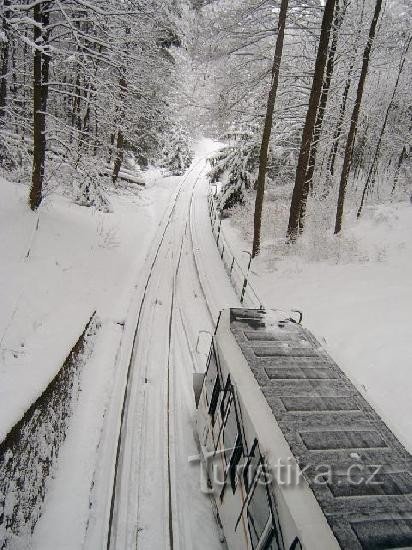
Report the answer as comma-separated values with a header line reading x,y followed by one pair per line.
x,y
86,86
310,99
316,97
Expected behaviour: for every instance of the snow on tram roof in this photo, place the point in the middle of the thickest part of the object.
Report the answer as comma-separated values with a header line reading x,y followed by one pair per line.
x,y
325,420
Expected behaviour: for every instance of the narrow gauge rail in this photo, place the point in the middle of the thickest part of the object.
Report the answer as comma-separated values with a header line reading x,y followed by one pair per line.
x,y
123,523
273,398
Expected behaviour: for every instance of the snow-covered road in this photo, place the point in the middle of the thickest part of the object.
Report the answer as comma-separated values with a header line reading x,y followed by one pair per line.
x,y
156,500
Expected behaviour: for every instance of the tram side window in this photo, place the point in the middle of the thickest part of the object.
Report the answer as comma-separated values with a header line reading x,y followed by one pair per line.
x,y
262,529
225,402
230,430
212,383
232,441
252,466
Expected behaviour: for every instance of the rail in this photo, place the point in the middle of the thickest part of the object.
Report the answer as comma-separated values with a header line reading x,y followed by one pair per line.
x,y
239,276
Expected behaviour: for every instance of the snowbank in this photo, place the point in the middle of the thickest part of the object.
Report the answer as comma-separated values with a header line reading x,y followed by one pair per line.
x,y
57,267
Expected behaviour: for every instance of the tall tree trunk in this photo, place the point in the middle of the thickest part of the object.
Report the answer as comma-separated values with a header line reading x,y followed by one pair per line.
x,y
119,156
358,159
347,161
322,103
263,156
120,137
401,158
4,61
40,94
373,167
299,195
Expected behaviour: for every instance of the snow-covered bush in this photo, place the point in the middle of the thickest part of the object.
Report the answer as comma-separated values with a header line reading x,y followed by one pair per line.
x,y
177,154
90,186
235,166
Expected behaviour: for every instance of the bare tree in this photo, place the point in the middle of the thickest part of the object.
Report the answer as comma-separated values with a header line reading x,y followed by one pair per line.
x,y
120,137
263,156
373,166
4,59
40,93
347,161
323,99
402,156
300,190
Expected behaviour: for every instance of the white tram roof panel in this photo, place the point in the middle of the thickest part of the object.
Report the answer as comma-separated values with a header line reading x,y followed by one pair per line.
x,y
325,420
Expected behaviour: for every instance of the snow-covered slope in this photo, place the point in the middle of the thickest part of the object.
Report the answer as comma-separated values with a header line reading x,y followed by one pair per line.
x,y
57,266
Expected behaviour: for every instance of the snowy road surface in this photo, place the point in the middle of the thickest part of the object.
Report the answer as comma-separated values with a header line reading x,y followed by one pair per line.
x,y
156,500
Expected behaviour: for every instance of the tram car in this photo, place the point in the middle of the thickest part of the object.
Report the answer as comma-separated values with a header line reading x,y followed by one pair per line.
x,y
294,456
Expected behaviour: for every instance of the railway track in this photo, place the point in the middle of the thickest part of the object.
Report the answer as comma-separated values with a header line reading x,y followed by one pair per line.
x,y
146,495
131,362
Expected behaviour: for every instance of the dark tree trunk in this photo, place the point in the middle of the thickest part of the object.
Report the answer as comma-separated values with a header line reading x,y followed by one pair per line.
x,y
323,101
401,158
342,109
4,61
300,191
120,137
119,156
76,121
373,167
40,93
263,156
354,119
358,159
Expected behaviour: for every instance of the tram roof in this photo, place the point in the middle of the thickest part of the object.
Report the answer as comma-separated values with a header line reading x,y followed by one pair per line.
x,y
325,420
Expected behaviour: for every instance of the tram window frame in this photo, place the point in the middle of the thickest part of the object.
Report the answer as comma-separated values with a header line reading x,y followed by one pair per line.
x,y
248,481
237,450
271,531
225,405
214,399
234,461
226,394
213,390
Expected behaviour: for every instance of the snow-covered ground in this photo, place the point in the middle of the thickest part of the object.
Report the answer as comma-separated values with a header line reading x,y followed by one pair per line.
x,y
356,298
153,264
57,267
52,279
156,498
152,272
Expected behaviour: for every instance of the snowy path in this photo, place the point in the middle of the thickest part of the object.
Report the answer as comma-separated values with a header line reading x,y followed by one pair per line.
x,y
156,499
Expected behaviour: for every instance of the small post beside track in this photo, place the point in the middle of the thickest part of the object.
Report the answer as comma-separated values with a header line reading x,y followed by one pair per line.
x,y
245,281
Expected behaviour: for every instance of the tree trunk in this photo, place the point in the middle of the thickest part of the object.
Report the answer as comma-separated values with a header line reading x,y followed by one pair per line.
x,y
263,156
119,156
338,129
40,93
373,167
322,104
299,195
120,137
354,119
402,156
4,62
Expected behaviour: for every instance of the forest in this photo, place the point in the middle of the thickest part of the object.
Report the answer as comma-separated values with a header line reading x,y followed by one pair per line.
x,y
322,112
311,99
169,165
